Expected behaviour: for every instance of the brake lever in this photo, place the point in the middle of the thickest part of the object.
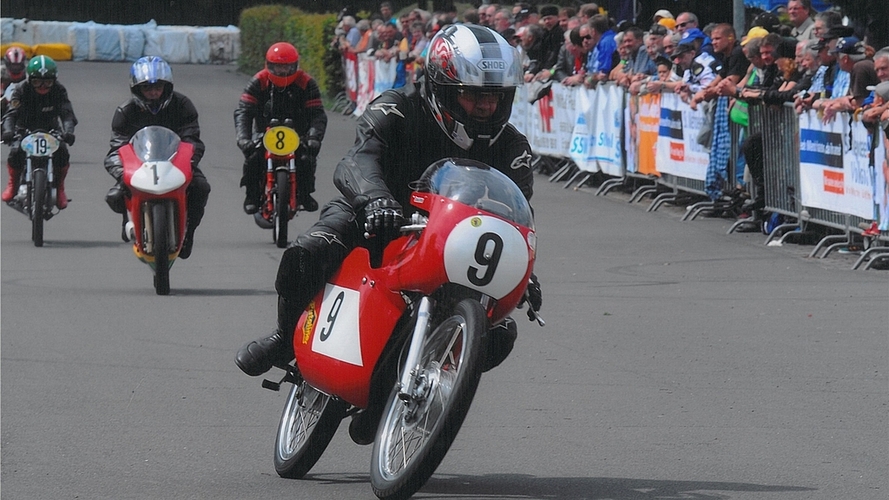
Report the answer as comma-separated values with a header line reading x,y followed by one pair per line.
x,y
532,313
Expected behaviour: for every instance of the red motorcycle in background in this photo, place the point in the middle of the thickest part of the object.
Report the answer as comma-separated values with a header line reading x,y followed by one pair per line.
x,y
156,170
278,203
399,335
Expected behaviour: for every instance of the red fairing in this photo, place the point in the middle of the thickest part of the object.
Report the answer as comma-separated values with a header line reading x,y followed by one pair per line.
x,y
379,311
132,163
341,335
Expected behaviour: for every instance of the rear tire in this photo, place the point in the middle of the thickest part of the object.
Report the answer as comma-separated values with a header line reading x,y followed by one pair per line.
x,y
160,238
282,207
308,423
38,205
414,436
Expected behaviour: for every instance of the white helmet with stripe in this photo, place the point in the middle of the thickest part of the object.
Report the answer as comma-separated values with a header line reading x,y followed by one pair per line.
x,y
473,61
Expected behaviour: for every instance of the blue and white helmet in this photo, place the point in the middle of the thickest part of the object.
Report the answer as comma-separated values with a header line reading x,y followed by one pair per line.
x,y
469,58
149,70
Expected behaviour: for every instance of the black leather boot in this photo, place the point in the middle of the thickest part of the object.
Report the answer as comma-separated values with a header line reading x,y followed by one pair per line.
x,y
259,356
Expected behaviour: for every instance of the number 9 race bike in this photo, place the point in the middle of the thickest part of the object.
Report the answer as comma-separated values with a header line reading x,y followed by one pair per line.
x,y
37,192
156,171
278,202
401,345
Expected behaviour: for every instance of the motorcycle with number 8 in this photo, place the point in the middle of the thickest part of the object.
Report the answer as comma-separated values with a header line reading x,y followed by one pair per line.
x,y
398,336
278,203
37,192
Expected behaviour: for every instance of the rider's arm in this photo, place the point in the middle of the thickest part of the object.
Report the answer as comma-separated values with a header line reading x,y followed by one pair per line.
x,y
359,175
248,108
65,110
121,131
315,109
188,129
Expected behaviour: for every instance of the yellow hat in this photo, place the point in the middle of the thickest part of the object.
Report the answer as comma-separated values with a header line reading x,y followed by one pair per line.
x,y
668,23
755,32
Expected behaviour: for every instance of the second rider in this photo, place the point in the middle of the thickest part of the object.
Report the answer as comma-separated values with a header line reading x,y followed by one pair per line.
x,y
281,91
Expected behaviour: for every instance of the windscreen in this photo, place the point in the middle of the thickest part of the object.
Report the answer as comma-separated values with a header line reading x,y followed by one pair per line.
x,y
478,185
155,143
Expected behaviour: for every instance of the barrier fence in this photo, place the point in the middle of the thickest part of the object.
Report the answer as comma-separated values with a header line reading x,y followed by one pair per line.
x,y
831,174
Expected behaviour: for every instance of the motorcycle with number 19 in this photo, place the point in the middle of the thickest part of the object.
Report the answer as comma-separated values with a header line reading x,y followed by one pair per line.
x,y
400,333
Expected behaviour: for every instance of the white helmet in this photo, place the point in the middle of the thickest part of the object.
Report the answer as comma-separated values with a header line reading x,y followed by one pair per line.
x,y
469,58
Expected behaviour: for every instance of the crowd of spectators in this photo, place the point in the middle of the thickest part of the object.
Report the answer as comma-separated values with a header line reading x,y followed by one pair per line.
x,y
811,59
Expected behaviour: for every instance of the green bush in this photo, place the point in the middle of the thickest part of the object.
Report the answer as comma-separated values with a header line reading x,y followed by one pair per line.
x,y
265,25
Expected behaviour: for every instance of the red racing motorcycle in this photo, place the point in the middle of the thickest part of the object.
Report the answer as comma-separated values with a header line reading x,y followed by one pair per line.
x,y
400,335
278,202
157,171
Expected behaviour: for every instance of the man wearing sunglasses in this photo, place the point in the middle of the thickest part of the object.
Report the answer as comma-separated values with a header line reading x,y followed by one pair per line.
x,y
41,103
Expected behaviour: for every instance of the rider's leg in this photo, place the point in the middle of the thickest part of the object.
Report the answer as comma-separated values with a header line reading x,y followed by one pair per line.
x,y
195,199
14,165
61,158
312,259
252,180
305,183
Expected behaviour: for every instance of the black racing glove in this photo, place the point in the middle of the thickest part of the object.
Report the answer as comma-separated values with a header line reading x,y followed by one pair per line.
x,y
68,138
312,146
383,218
246,147
534,296
8,137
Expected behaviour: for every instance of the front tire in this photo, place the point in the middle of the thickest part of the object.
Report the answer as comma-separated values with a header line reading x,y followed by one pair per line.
x,y
38,205
160,237
308,423
282,207
415,435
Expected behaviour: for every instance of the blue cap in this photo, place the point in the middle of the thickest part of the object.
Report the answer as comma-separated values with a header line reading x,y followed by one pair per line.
x,y
691,35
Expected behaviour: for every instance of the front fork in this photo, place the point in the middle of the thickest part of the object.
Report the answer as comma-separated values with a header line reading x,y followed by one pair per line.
x,y
25,186
413,384
270,185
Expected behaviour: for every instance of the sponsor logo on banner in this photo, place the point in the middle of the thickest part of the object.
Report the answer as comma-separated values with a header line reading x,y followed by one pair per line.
x,y
677,151
833,182
821,148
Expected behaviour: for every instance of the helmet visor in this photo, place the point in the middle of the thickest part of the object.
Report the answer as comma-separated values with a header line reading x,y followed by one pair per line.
x,y
42,83
282,69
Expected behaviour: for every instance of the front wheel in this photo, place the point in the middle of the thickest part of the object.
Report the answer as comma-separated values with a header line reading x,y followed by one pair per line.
x,y
308,423
417,431
38,205
282,207
160,237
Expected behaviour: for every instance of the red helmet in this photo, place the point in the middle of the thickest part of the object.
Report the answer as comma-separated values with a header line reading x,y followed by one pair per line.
x,y
15,60
282,61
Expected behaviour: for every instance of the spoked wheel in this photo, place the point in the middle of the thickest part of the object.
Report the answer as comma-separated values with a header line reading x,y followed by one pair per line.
x,y
309,421
160,237
38,205
416,433
282,207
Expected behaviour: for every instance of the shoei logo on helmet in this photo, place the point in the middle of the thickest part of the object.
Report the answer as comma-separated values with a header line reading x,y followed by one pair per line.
x,y
492,65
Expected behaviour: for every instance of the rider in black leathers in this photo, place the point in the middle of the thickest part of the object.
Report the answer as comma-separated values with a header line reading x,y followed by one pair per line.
x,y
281,91
458,112
171,110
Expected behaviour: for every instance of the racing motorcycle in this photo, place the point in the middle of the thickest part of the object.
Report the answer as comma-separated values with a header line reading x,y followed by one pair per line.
x,y
278,202
156,171
37,192
397,338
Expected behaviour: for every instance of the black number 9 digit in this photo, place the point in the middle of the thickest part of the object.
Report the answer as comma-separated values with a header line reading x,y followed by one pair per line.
x,y
488,261
331,317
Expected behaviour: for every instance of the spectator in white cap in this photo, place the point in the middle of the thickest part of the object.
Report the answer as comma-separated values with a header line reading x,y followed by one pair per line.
x,y
662,14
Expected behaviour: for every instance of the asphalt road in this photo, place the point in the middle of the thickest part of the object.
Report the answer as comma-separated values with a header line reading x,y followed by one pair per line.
x,y
677,361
